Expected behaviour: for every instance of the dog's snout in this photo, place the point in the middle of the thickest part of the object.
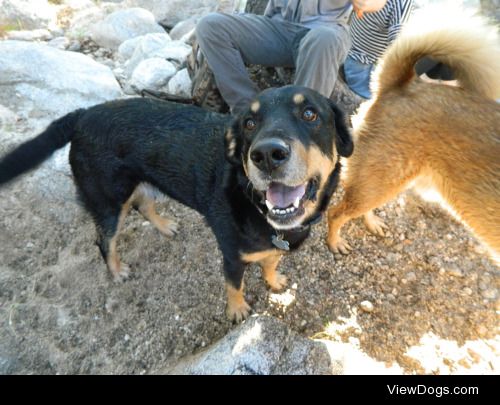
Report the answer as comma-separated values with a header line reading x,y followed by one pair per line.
x,y
269,154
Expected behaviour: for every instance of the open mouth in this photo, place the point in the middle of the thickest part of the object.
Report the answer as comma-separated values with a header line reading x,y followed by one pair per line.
x,y
285,203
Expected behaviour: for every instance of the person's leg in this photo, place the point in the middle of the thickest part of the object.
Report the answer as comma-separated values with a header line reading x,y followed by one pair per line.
x,y
357,76
319,56
230,41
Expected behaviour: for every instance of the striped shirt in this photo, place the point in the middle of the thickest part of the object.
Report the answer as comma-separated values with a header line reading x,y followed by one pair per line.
x,y
373,33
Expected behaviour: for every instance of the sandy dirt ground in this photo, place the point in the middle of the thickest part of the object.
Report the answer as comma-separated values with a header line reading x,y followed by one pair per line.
x,y
432,289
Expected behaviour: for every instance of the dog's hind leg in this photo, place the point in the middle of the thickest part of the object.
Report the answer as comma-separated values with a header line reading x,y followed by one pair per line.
x,y
360,198
145,204
108,228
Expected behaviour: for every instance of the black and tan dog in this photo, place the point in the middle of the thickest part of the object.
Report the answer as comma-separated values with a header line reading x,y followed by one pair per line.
x,y
260,178
435,135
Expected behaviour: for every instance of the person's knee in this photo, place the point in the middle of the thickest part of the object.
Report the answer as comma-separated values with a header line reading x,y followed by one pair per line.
x,y
325,40
210,25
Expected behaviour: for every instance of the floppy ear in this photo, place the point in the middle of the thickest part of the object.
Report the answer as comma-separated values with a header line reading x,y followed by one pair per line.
x,y
343,138
232,143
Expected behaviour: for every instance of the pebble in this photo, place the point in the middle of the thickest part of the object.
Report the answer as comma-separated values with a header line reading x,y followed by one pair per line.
x,y
366,306
467,291
455,271
490,293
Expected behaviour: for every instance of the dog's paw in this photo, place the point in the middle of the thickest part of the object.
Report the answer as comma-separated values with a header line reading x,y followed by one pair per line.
x,y
168,227
238,312
375,224
122,273
339,245
278,282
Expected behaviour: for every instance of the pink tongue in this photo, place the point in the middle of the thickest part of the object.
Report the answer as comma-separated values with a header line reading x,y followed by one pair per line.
x,y
282,196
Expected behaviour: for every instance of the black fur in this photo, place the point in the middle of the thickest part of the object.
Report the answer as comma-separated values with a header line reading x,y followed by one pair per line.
x,y
179,149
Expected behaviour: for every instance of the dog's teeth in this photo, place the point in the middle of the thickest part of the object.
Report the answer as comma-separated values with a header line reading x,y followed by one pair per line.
x,y
269,205
296,203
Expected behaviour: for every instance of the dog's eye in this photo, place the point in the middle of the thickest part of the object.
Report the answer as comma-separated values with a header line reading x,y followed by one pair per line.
x,y
309,115
250,124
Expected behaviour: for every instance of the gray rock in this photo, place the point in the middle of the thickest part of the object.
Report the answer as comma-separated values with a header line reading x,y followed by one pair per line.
x,y
261,345
174,51
40,34
59,43
152,74
170,12
21,14
39,80
149,43
184,29
122,25
180,84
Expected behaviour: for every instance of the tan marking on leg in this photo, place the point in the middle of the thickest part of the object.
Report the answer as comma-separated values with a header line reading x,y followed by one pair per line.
x,y
258,256
146,206
237,308
119,270
298,98
268,260
276,280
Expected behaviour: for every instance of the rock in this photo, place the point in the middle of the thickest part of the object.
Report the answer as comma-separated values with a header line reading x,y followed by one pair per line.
x,y
262,345
8,119
148,43
74,46
366,306
126,48
170,12
152,74
59,43
39,80
180,84
21,14
174,51
490,293
184,29
122,25
40,34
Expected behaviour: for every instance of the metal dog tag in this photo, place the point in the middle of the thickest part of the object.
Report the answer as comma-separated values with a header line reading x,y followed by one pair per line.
x,y
280,243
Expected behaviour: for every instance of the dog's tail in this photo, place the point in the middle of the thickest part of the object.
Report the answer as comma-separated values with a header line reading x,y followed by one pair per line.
x,y
33,152
462,41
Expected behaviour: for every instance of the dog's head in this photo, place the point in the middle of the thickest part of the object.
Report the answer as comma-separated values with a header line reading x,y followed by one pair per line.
x,y
288,143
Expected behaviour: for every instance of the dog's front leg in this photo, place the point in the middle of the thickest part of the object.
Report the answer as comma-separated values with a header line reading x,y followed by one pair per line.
x,y
237,308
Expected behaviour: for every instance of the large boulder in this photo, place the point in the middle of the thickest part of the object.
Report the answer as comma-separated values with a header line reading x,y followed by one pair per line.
x,y
40,80
152,74
22,14
262,345
170,12
123,25
148,43
174,51
180,84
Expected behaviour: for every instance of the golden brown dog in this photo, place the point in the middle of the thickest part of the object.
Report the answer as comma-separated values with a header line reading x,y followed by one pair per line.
x,y
430,134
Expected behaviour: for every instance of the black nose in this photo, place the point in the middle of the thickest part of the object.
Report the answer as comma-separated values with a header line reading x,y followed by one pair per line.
x,y
269,154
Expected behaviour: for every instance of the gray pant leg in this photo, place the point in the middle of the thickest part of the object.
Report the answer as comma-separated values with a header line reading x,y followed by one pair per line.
x,y
230,41
321,52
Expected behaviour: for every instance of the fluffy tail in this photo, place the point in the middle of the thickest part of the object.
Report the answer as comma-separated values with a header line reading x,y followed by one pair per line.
x,y
31,153
464,42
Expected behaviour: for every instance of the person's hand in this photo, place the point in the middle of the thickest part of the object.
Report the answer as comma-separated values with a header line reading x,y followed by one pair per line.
x,y
368,6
